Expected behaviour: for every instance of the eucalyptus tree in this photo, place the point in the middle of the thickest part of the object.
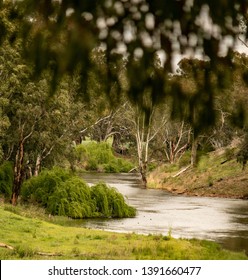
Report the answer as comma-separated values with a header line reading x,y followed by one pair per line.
x,y
174,139
38,128
230,117
41,130
4,121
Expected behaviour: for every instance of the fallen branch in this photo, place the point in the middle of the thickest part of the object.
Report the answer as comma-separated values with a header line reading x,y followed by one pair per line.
x,y
181,171
49,254
133,169
3,245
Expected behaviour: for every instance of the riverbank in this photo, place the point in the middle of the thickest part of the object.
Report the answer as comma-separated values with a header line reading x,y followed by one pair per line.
x,y
28,233
214,176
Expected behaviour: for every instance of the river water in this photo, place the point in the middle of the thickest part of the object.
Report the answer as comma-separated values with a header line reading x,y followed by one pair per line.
x,y
159,212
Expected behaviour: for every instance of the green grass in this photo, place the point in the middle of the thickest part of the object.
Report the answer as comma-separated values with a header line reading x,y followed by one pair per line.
x,y
30,236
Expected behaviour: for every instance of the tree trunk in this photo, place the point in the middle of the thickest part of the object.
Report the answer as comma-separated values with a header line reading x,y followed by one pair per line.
x,y
194,152
143,173
143,157
37,166
18,173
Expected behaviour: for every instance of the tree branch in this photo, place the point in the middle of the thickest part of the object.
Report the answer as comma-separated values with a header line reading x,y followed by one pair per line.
x,y
243,42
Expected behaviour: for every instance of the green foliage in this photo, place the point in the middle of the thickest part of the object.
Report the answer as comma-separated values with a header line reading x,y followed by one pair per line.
x,y
100,152
41,187
242,156
229,153
117,165
210,181
185,159
71,198
6,179
100,195
111,203
99,156
65,194
152,166
24,251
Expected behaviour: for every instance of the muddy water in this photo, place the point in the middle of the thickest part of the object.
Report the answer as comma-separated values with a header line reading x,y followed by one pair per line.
x,y
159,212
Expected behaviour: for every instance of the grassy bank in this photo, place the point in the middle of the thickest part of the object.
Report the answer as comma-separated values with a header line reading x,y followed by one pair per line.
x,y
32,236
214,176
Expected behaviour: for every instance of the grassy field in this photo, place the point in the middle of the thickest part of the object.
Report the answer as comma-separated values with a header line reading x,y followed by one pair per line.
x,y
211,177
34,235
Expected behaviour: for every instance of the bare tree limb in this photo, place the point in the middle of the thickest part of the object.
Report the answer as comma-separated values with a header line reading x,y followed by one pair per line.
x,y
243,42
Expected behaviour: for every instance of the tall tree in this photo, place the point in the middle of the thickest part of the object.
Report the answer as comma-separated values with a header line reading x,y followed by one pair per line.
x,y
175,138
38,127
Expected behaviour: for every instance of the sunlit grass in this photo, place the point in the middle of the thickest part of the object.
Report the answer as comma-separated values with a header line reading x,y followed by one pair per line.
x,y
31,237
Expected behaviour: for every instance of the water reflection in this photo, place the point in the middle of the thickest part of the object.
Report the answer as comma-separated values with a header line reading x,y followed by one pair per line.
x,y
218,219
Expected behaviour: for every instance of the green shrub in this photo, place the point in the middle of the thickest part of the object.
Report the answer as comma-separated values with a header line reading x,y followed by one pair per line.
x,y
229,153
152,166
110,203
99,156
91,165
100,195
124,165
101,152
185,159
6,179
71,198
39,188
210,181
111,167
65,194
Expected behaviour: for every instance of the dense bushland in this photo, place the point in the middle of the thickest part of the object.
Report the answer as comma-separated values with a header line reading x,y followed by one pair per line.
x,y
96,156
6,179
65,194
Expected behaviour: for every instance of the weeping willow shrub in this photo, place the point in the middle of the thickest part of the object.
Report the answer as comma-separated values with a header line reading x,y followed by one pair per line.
x,y
40,188
119,207
65,194
110,202
72,198
100,156
100,152
118,165
6,179
100,196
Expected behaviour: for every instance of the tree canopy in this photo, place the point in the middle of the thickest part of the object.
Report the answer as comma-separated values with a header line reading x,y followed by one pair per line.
x,y
60,35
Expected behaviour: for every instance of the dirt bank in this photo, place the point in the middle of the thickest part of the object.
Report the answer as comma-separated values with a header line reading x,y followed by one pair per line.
x,y
210,178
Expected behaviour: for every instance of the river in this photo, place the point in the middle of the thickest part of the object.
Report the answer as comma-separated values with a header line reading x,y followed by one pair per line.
x,y
159,212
